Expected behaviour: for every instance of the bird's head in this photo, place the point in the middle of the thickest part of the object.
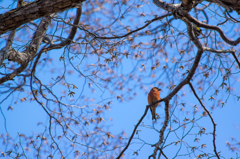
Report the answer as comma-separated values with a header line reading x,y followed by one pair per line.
x,y
156,88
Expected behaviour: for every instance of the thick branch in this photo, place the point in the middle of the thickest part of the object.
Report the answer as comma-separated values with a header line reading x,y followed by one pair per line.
x,y
167,6
41,8
179,12
216,28
180,85
21,57
228,4
13,74
7,50
187,4
195,63
161,152
32,50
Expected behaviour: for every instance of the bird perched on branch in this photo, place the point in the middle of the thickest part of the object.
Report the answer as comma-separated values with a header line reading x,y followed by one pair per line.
x,y
197,31
153,96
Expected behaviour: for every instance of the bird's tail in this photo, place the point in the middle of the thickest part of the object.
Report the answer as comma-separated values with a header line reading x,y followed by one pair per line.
x,y
153,110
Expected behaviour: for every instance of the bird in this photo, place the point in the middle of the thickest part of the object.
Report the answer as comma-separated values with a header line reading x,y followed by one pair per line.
x,y
153,96
197,31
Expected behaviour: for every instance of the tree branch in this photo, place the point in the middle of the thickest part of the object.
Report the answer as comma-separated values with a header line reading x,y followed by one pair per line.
x,y
161,152
216,28
231,5
235,57
31,51
218,51
224,51
181,13
165,124
7,50
37,9
167,6
180,85
135,128
72,33
214,125
187,4
131,32
195,63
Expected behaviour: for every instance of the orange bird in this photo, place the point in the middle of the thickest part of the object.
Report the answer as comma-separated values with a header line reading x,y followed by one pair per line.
x,y
153,96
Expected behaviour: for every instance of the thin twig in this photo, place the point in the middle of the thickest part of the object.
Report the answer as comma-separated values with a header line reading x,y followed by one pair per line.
x,y
165,124
214,124
131,32
130,139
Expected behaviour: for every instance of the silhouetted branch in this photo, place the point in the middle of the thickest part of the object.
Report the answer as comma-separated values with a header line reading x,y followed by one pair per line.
x,y
232,17
72,33
223,51
180,85
214,125
32,50
216,28
181,13
135,128
161,153
165,124
195,63
37,9
235,57
7,50
131,32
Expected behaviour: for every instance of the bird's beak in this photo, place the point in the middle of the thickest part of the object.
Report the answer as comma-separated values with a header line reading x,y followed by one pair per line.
x,y
159,89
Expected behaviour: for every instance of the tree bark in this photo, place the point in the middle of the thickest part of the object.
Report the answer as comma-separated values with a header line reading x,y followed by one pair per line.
x,y
41,8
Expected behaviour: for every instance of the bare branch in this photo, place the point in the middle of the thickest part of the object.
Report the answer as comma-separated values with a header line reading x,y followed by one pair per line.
x,y
135,128
227,6
235,57
161,153
71,35
14,73
166,6
6,51
224,51
131,32
232,17
195,63
180,13
165,124
218,51
218,29
31,51
37,9
187,4
214,125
